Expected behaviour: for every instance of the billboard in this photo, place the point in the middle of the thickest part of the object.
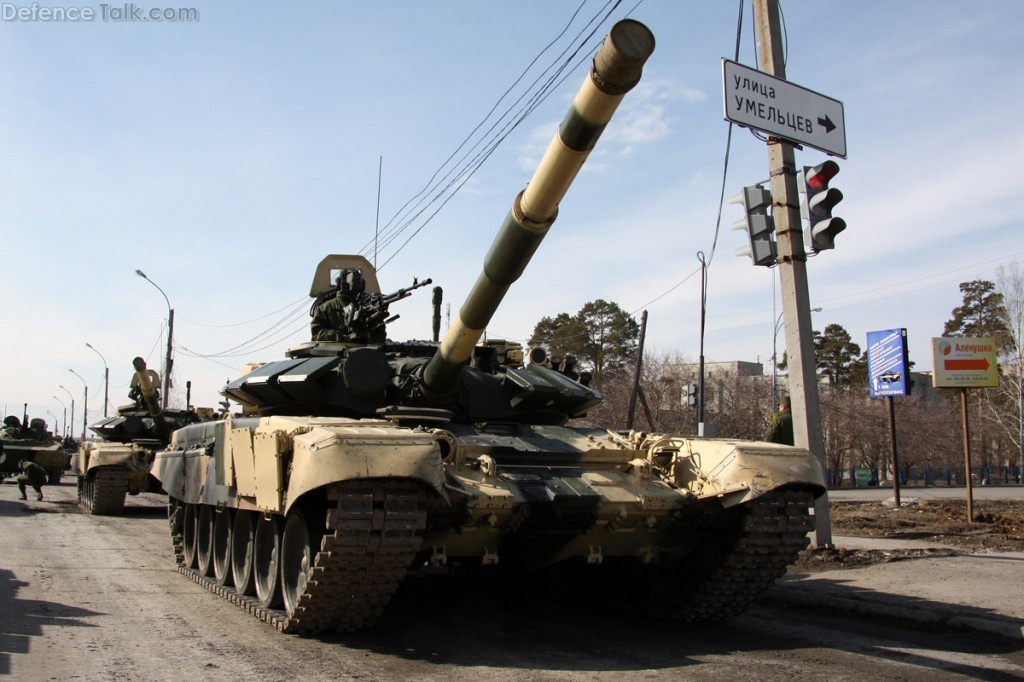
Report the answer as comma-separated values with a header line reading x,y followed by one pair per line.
x,y
888,366
964,362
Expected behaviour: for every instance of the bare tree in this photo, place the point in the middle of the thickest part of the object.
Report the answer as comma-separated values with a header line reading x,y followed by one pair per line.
x,y
737,406
1009,410
855,427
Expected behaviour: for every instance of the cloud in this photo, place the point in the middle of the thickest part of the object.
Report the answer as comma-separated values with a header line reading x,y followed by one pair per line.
x,y
644,117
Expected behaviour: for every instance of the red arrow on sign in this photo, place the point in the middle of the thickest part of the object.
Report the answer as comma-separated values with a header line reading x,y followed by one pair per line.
x,y
981,364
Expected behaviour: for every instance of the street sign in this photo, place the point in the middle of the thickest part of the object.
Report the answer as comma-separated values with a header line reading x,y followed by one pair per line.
x,y
964,362
888,368
758,100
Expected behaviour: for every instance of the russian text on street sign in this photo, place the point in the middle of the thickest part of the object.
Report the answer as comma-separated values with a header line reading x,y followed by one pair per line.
x,y
888,368
964,362
758,100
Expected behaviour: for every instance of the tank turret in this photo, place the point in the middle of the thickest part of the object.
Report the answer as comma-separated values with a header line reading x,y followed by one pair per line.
x,y
366,457
350,369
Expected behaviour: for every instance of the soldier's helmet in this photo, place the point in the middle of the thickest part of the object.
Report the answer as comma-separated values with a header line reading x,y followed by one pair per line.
x,y
350,281
354,280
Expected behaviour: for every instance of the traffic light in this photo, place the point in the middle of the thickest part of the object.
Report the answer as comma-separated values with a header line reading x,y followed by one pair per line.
x,y
691,394
758,224
821,199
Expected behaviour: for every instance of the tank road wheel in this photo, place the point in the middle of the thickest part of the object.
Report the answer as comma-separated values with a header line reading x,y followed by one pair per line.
x,y
266,564
222,546
204,540
242,540
298,552
188,539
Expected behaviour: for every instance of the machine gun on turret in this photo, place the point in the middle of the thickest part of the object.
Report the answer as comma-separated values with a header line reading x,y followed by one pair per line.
x,y
371,310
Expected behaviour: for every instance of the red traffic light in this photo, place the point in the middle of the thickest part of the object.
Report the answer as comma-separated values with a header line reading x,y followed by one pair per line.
x,y
817,209
817,178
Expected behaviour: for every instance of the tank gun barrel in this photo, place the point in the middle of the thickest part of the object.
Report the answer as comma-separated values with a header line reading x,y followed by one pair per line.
x,y
616,70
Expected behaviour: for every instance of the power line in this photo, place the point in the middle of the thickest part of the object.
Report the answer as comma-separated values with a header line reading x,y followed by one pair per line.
x,y
443,185
444,188
242,324
725,174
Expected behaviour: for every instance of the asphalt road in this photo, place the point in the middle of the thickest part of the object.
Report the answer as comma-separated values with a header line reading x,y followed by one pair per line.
x,y
98,598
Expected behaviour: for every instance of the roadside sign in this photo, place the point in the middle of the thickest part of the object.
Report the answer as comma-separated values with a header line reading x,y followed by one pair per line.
x,y
964,362
758,100
888,367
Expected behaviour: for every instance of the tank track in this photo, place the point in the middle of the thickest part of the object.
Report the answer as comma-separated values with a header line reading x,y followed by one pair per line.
x,y
774,532
105,493
373,533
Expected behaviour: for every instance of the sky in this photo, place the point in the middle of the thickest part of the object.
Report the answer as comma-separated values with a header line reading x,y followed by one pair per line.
x,y
225,156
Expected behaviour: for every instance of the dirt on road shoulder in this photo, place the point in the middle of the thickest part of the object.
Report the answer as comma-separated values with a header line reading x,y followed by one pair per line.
x,y
998,526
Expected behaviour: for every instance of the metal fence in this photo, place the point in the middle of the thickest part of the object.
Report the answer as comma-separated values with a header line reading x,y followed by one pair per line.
x,y
859,477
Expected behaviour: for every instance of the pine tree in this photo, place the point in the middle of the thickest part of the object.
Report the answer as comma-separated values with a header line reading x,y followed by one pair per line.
x,y
981,314
837,356
601,336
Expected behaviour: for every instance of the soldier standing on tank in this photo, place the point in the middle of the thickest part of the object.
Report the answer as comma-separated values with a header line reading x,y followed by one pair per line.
x,y
31,474
135,390
780,428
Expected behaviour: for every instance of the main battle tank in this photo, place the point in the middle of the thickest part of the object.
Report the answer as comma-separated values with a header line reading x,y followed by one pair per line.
x,y
119,465
33,442
366,458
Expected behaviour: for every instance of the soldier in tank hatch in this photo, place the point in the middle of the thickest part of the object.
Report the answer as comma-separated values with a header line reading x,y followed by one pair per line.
x,y
341,317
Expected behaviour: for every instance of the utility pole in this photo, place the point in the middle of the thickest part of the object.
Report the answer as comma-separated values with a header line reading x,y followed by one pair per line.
x,y
170,359
637,371
64,429
85,407
792,264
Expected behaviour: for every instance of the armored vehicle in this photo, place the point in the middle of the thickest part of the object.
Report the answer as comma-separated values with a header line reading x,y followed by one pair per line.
x,y
365,458
119,465
33,442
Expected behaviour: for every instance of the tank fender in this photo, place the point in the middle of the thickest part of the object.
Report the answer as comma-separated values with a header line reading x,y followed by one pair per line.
x,y
182,469
326,454
83,457
110,454
738,471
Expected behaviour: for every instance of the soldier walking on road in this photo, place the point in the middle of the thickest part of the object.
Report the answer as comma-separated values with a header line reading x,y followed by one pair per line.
x,y
31,474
